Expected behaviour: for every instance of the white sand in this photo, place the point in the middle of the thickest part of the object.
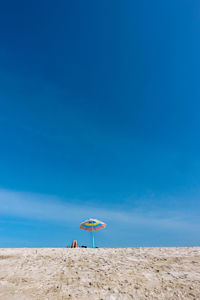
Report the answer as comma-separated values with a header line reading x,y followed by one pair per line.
x,y
124,273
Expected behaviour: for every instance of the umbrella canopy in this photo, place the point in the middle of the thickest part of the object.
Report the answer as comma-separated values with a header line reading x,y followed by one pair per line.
x,y
92,225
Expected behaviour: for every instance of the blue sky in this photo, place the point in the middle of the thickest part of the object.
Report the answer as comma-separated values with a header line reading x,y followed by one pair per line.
x,y
99,117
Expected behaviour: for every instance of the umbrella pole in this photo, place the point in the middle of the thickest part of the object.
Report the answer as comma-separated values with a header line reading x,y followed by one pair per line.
x,y
92,237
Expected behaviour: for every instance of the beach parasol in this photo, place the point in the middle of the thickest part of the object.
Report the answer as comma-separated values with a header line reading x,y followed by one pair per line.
x,y
92,225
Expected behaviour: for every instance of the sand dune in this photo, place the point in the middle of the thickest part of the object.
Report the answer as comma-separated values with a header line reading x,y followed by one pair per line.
x,y
124,273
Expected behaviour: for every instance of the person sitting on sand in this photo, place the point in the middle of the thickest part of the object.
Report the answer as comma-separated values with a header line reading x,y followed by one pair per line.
x,y
74,244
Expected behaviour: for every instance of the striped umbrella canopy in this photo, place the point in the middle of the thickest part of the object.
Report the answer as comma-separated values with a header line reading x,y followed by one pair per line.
x,y
92,225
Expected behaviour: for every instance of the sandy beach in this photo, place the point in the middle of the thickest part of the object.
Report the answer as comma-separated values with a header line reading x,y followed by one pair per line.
x,y
123,273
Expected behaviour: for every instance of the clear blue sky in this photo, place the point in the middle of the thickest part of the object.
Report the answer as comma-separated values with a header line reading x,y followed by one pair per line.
x,y
99,117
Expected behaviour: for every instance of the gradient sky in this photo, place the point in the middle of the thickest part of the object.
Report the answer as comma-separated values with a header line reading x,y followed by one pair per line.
x,y
99,117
